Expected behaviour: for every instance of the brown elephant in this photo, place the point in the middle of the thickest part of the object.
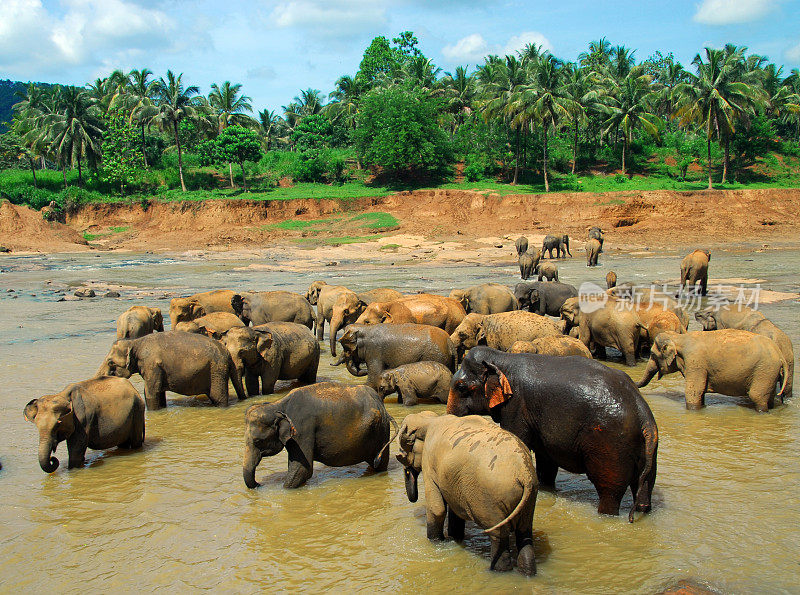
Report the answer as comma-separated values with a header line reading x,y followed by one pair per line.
x,y
325,297
487,298
200,304
528,261
521,245
434,310
214,324
393,312
261,307
694,270
744,318
428,380
548,270
611,279
185,363
271,352
380,294
474,470
661,322
98,413
502,330
605,325
729,361
138,321
561,345
592,252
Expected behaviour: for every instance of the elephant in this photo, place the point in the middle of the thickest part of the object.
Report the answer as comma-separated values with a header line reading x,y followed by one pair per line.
x,y
385,346
521,245
473,471
548,270
694,270
592,252
647,306
611,279
138,321
573,412
528,263
662,321
380,294
98,413
261,307
605,326
424,308
185,363
324,297
741,317
595,233
271,352
328,422
561,346
544,298
213,325
487,298
200,304
501,331
558,243
729,361
429,380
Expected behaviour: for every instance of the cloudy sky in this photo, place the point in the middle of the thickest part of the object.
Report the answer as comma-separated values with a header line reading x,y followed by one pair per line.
x,y
276,48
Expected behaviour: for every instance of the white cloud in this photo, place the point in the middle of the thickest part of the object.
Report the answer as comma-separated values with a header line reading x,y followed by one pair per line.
x,y
331,18
728,12
793,54
473,48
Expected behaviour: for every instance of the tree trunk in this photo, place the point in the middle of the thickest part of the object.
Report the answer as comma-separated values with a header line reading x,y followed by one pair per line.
x,y
230,171
144,151
244,179
708,161
726,160
80,179
575,147
33,171
624,144
64,172
180,156
544,161
516,165
524,153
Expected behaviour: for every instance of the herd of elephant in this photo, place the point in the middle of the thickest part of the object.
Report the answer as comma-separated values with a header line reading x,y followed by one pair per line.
x,y
526,357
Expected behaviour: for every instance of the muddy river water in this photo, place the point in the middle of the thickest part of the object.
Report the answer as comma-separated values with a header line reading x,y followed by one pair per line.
x,y
176,517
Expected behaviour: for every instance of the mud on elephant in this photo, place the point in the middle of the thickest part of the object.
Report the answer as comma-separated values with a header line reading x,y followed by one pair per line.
x,y
138,321
200,304
411,382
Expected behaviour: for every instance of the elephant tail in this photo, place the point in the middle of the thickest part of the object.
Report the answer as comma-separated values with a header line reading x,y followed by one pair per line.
x,y
647,477
785,376
527,494
385,446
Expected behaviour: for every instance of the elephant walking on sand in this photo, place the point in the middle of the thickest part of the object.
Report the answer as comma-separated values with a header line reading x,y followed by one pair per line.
x,y
730,362
98,413
328,422
473,471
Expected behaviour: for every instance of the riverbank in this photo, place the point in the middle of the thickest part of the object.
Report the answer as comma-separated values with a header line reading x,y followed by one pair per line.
x,y
436,224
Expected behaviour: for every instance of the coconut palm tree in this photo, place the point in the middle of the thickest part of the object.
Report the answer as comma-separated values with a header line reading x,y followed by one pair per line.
x,y
175,103
790,99
585,92
459,92
138,100
229,107
345,98
269,124
631,105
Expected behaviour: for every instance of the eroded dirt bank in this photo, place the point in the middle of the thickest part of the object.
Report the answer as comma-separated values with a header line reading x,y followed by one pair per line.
x,y
632,220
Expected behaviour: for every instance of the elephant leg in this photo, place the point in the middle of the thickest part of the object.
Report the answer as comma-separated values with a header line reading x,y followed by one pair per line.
x,y
455,525
218,388
704,285
501,556
251,383
628,349
136,438
300,468
763,395
546,471
435,511
320,326
526,559
154,393
76,447
610,498
696,390
269,377
309,375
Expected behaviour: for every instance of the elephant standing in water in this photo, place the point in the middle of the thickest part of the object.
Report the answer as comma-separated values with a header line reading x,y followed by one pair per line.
x,y
592,252
573,412
200,304
214,324
528,263
558,243
730,361
138,321
605,326
694,270
261,307
430,380
473,471
544,298
328,422
487,298
595,233
98,413
521,245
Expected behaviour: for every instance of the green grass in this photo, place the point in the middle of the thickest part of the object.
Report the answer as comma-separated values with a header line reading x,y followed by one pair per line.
x,y
120,228
91,237
377,220
296,225
389,247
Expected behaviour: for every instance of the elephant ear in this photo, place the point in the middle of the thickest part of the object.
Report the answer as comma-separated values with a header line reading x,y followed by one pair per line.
x,y
480,337
197,310
263,342
286,429
158,319
31,409
496,386
669,352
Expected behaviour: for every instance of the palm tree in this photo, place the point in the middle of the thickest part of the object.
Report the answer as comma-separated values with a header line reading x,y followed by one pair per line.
x,y
140,93
598,56
459,93
269,123
631,106
583,90
229,107
175,103
714,98
345,98
790,100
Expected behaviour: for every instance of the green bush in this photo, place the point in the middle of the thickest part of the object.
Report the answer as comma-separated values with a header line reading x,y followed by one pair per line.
x,y
318,165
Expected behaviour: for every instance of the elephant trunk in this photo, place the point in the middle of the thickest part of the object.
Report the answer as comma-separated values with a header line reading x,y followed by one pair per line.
x,y
340,361
46,446
652,370
252,457
411,484
354,369
337,320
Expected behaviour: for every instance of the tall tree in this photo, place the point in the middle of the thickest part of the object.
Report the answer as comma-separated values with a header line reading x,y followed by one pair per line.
x,y
229,107
140,92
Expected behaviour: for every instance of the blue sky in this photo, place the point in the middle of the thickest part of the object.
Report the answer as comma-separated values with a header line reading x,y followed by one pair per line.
x,y
276,48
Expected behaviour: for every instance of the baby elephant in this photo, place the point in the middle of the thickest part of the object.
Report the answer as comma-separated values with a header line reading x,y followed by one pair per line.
x,y
98,413
328,422
730,362
422,379
476,471
548,270
138,321
560,345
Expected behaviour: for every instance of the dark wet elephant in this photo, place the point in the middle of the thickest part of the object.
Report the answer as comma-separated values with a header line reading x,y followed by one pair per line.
x,y
527,264
261,307
328,422
573,412
558,243
544,298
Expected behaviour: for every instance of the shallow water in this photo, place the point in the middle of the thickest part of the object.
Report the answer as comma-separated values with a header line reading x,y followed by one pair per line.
x,y
177,516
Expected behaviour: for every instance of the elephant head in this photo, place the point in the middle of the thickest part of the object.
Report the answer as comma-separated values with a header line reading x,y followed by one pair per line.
x,y
346,310
565,241
312,295
120,361
707,318
387,383
352,351
477,387
663,357
412,438
462,297
249,347
266,433
468,334
55,418
185,309
571,313
158,319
